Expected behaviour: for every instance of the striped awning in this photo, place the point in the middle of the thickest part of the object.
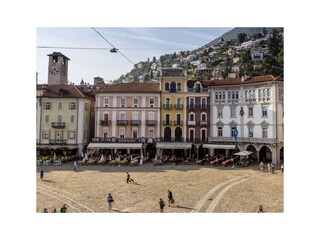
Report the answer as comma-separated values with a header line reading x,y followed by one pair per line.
x,y
219,146
174,145
114,145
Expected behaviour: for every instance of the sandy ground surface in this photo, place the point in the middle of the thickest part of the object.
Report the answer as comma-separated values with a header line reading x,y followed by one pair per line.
x,y
195,189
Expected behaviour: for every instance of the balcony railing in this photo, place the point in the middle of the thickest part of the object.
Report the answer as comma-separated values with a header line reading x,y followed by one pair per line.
x,y
203,106
120,140
203,123
167,123
197,140
58,141
192,123
167,106
242,139
178,106
151,122
191,106
122,122
58,124
105,122
178,123
134,122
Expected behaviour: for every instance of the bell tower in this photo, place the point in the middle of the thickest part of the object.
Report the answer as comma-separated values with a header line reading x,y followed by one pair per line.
x,y
57,69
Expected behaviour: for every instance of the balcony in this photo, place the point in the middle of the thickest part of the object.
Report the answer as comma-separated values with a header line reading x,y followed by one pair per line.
x,y
203,123
122,122
167,123
151,122
105,122
242,139
58,141
203,106
167,106
178,123
134,122
178,106
119,140
197,140
191,106
192,123
58,124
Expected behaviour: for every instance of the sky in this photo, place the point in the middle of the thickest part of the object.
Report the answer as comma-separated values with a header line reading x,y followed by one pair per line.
x,y
137,44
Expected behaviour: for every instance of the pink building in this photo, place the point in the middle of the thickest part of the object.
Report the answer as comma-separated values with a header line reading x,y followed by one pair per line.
x,y
127,116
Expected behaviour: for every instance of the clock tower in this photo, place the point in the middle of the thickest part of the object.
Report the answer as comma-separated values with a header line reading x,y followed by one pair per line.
x,y
57,69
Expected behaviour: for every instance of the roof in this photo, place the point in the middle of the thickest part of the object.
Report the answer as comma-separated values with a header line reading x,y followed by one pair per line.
x,y
58,54
130,88
61,91
236,81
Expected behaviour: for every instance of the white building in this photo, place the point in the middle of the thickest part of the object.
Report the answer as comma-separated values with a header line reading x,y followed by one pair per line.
x,y
254,107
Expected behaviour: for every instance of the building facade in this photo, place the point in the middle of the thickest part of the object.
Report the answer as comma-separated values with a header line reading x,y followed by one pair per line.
x,y
252,107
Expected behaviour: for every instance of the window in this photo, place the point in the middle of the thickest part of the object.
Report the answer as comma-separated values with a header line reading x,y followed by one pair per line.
x,y
179,118
135,102
106,102
151,133
232,131
173,87
72,105
166,86
260,95
151,116
121,133
151,102
71,135
268,94
191,135
134,116
232,112
217,97
264,111
229,96
264,132
219,113
59,105
46,118
203,102
59,118
250,129
122,116
250,114
237,95
203,135
191,117
106,116
45,134
203,117
219,131
123,102
264,94
179,87
105,133
197,87
134,133
47,105
71,118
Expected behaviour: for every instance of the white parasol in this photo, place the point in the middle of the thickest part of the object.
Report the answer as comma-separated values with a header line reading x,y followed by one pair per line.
x,y
243,153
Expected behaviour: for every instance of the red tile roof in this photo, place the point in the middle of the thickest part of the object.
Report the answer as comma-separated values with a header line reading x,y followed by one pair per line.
x,y
130,88
235,81
62,91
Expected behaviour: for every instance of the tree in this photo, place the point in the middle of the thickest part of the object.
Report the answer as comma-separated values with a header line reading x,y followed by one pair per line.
x,y
241,37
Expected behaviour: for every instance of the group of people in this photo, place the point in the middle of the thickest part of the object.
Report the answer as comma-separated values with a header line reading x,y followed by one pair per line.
x,y
62,210
170,201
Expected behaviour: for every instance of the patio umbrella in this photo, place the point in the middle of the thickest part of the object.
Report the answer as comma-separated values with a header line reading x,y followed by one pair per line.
x,y
243,153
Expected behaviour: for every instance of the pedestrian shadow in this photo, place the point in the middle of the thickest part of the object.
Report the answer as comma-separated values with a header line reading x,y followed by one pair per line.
x,y
135,183
178,206
50,181
119,211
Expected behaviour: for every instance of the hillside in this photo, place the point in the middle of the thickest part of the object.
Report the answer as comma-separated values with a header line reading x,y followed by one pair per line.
x,y
239,52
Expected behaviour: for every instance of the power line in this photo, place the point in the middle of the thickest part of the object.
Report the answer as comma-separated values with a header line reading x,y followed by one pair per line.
x,y
104,49
113,46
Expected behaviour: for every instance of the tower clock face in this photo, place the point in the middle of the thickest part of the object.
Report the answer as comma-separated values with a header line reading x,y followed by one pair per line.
x,y
54,69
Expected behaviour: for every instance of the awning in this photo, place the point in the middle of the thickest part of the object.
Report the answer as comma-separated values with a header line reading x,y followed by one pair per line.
x,y
115,145
174,145
243,153
218,146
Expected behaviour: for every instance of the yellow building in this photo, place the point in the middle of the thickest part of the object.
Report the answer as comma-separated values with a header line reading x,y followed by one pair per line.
x,y
173,82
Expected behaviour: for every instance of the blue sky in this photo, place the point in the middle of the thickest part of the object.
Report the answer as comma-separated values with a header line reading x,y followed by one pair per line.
x,y
137,44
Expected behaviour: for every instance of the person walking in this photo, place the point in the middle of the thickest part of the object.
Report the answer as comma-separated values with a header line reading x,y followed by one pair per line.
x,y
54,210
281,167
63,209
260,209
45,210
75,166
161,203
41,173
129,179
110,200
170,198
